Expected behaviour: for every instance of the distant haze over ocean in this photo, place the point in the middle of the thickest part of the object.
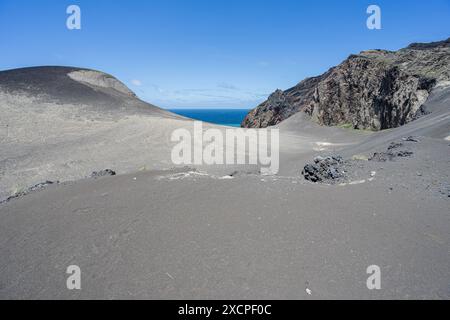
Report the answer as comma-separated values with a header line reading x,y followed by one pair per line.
x,y
226,117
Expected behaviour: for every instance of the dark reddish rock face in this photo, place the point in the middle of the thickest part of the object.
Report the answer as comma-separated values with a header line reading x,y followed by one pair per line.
x,y
373,90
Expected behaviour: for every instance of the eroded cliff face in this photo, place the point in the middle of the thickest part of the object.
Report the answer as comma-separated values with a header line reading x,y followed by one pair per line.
x,y
373,90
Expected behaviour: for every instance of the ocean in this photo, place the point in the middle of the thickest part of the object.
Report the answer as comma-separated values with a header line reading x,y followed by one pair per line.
x,y
226,117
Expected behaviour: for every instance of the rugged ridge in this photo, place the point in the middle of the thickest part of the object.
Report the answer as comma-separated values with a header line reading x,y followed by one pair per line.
x,y
375,90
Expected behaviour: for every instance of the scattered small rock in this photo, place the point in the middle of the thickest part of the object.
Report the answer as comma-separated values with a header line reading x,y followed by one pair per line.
x,y
103,173
395,145
36,187
42,185
411,139
404,153
391,153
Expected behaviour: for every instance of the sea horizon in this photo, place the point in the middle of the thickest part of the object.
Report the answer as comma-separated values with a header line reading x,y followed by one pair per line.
x,y
222,116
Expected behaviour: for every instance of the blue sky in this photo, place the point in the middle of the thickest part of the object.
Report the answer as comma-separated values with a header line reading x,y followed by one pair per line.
x,y
212,53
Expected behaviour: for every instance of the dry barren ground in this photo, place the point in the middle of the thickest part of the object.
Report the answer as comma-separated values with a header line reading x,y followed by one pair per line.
x,y
157,232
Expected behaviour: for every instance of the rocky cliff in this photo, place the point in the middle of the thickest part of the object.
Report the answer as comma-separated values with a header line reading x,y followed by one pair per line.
x,y
375,90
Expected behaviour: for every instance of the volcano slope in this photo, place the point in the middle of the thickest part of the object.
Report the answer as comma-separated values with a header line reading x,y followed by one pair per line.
x,y
61,123
185,234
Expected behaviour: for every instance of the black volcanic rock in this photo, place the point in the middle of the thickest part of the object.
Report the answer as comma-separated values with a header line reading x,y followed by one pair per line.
x,y
376,89
324,169
392,151
103,173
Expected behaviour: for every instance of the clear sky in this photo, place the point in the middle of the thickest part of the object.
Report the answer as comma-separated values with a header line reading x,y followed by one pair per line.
x,y
211,53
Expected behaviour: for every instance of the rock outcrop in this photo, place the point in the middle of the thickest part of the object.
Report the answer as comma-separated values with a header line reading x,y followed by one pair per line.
x,y
375,90
324,169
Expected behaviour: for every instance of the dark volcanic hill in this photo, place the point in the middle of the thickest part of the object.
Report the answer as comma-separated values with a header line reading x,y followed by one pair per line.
x,y
64,123
376,89
78,86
